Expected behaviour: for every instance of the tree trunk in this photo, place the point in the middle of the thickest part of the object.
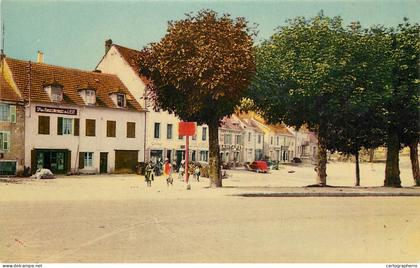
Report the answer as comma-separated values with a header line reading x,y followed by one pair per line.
x,y
357,169
414,157
322,162
392,169
214,156
371,155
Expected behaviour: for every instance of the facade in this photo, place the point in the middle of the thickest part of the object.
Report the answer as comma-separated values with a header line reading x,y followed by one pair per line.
x,y
161,131
231,141
253,138
12,128
77,121
278,142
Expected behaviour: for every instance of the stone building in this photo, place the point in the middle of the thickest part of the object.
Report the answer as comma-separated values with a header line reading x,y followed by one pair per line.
x,y
12,127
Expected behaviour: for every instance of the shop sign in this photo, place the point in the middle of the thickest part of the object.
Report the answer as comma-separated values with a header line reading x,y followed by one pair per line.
x,y
53,110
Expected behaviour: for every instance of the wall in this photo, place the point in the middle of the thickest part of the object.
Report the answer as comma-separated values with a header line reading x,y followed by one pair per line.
x,y
16,150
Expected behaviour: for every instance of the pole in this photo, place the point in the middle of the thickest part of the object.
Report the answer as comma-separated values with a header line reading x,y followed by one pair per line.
x,y
186,159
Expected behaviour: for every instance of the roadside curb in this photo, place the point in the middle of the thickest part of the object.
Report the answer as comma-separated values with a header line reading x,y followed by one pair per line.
x,y
382,194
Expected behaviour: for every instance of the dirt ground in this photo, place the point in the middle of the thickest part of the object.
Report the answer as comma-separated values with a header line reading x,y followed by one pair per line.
x,y
116,218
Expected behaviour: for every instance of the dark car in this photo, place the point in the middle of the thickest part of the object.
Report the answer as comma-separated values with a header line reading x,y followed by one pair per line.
x,y
259,166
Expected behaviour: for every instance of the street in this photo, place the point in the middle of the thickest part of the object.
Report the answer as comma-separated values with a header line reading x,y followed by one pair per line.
x,y
117,218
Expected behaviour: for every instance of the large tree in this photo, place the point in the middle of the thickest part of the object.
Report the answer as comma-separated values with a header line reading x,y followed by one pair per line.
x,y
299,78
403,101
200,70
360,122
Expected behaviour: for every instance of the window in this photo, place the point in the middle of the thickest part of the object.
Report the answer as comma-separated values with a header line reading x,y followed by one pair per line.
x,y
90,97
120,100
8,113
228,139
4,140
204,156
204,134
56,94
271,140
259,139
180,137
131,129
90,127
249,136
44,125
4,112
169,131
111,128
277,140
237,139
157,131
194,137
67,126
88,159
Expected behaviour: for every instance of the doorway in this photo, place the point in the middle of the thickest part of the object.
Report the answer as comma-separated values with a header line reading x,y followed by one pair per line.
x,y
103,162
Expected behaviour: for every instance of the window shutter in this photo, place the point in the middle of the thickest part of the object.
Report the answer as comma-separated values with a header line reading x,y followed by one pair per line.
x,y
68,161
110,128
33,161
59,126
76,126
13,113
81,160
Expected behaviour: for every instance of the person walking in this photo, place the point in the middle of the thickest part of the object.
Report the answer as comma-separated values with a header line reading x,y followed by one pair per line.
x,y
181,171
167,171
197,172
148,175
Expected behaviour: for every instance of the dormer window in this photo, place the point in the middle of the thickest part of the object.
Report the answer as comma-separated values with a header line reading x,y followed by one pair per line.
x,y
88,94
90,97
54,91
121,100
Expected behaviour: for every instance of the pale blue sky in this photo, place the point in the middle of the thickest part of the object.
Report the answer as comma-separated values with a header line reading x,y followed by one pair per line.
x,y
72,33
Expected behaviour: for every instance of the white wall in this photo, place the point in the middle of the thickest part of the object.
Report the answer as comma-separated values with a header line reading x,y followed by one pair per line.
x,y
98,143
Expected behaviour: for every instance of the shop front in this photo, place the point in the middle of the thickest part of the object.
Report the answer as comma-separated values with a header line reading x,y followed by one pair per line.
x,y
56,160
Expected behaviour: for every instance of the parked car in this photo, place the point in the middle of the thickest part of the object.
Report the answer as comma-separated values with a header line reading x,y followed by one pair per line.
x,y
259,166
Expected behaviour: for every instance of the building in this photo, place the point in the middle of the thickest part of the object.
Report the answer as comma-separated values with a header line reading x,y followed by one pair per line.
x,y
278,142
12,127
231,141
162,139
74,120
253,138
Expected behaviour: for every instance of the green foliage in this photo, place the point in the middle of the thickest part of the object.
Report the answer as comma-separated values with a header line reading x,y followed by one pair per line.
x,y
403,100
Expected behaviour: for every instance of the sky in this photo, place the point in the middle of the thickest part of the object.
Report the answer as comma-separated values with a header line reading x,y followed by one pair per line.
x,y
72,33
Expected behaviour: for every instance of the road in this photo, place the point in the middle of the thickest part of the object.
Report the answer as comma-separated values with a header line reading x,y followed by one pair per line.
x,y
118,219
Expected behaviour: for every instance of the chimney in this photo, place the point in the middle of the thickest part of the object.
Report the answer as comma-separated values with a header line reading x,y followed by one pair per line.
x,y
40,58
108,44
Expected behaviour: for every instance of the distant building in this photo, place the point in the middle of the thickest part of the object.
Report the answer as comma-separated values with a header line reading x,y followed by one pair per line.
x,y
231,140
74,120
253,138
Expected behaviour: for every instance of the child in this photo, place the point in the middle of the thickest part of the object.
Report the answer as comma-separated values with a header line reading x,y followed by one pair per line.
x,y
148,175
197,172
181,171
167,170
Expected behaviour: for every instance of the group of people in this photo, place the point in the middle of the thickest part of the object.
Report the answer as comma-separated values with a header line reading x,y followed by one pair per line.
x,y
168,169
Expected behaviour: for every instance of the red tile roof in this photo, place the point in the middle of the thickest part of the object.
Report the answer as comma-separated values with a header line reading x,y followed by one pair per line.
x,y
72,81
131,56
231,124
6,91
